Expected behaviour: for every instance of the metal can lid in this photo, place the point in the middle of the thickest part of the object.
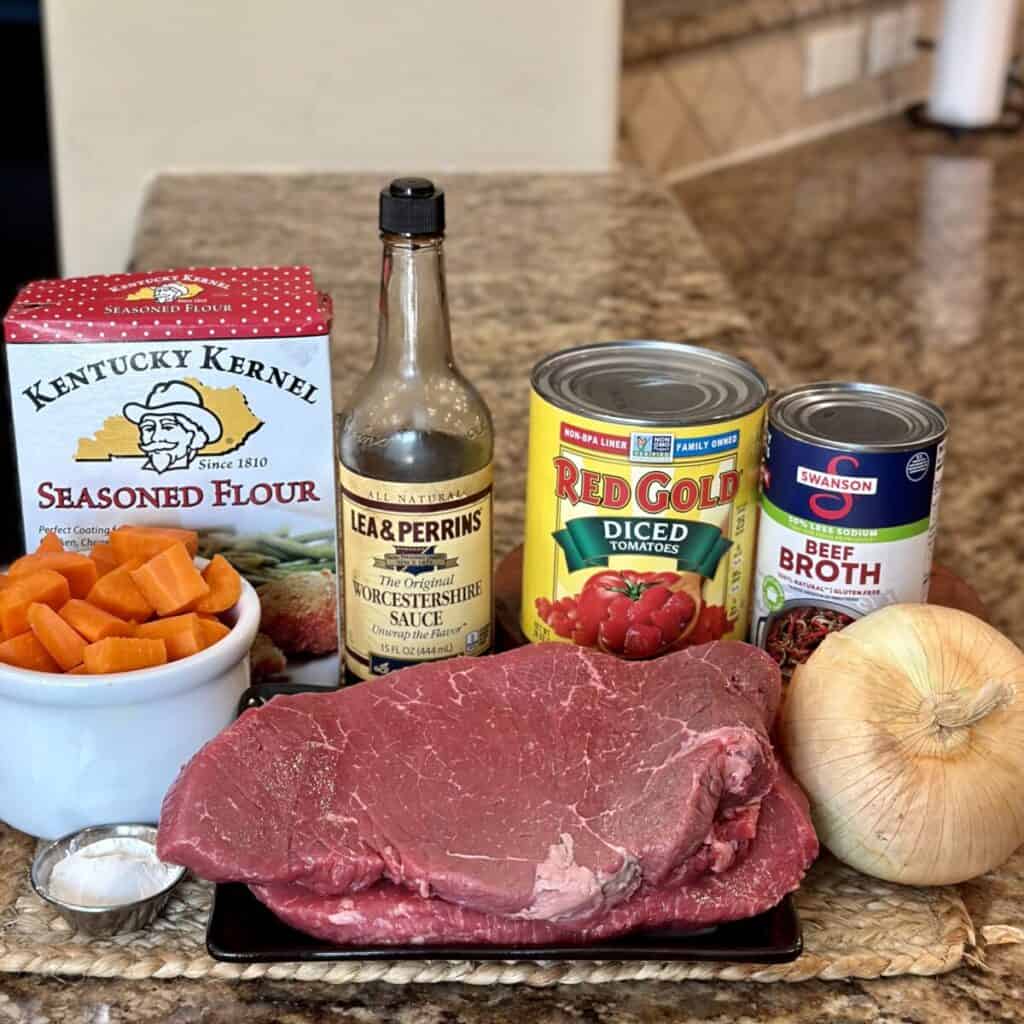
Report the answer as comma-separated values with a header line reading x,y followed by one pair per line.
x,y
858,417
649,383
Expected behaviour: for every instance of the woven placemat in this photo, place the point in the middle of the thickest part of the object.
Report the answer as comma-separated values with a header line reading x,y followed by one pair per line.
x,y
854,927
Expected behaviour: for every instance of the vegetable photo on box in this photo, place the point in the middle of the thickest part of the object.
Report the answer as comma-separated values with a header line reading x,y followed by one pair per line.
x,y
295,576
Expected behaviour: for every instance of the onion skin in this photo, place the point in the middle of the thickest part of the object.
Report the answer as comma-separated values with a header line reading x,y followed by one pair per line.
x,y
906,732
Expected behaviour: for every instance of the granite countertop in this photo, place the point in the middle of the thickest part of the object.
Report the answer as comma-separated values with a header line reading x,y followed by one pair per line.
x,y
542,262
535,263
893,255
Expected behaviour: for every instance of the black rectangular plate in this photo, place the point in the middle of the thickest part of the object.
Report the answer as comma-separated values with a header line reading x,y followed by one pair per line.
x,y
242,930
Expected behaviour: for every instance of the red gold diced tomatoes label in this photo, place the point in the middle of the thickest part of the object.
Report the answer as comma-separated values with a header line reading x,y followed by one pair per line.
x,y
639,541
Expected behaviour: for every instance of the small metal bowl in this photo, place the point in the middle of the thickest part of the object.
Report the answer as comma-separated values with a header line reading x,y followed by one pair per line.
x,y
125,917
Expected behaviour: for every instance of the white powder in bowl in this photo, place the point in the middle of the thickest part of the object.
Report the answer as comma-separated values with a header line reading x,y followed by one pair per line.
x,y
110,873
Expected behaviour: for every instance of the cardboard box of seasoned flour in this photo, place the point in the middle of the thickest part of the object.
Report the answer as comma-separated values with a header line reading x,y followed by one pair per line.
x,y
197,398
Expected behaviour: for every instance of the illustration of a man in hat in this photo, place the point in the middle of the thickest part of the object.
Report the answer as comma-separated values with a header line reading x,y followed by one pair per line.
x,y
170,292
174,426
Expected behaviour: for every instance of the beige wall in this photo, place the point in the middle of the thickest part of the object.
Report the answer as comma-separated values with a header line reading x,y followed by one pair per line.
x,y
141,86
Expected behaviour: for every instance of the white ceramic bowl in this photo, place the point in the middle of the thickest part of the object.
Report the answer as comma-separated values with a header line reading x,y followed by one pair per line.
x,y
88,750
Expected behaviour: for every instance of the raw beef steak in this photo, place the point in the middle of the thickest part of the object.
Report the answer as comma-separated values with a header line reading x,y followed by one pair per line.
x,y
549,783
387,914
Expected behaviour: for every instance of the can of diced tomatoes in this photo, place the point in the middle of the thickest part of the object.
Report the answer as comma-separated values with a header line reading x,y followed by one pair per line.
x,y
849,508
641,497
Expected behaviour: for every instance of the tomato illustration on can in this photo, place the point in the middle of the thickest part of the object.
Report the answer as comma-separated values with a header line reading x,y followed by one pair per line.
x,y
632,614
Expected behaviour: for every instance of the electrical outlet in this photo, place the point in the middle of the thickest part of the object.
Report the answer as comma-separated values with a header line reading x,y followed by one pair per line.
x,y
886,42
832,58
911,31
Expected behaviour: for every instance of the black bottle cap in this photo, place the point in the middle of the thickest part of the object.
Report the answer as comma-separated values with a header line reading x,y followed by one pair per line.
x,y
412,206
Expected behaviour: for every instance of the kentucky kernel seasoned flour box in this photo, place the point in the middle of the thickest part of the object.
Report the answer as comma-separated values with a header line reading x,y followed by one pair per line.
x,y
197,398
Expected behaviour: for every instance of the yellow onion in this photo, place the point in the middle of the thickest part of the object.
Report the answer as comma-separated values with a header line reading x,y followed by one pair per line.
x,y
906,731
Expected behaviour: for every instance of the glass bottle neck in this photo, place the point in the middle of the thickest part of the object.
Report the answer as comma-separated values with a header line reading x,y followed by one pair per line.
x,y
414,335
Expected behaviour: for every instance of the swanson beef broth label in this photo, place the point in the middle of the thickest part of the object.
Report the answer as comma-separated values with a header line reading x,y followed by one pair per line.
x,y
851,482
198,398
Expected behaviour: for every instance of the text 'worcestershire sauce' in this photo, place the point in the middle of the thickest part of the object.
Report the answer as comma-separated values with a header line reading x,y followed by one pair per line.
x,y
415,445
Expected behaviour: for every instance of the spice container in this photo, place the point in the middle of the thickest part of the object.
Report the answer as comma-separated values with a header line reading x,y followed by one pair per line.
x,y
128,855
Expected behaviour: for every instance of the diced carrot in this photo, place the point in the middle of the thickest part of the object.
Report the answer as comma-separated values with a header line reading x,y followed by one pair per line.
x,y
214,630
190,538
123,654
225,586
187,622
45,586
184,644
118,594
146,541
51,542
25,651
183,634
62,643
78,670
104,557
5,581
79,570
170,582
93,622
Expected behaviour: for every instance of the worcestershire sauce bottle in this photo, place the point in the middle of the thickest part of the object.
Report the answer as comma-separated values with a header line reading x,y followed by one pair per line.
x,y
415,445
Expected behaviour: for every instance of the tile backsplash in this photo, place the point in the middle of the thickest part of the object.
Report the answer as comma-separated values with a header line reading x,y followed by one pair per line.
x,y
655,28
687,112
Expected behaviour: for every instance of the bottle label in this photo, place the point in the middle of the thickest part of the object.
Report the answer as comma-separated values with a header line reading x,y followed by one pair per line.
x,y
418,570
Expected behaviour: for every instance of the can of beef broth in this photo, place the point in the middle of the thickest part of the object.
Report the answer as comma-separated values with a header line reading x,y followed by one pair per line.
x,y
641,497
850,490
